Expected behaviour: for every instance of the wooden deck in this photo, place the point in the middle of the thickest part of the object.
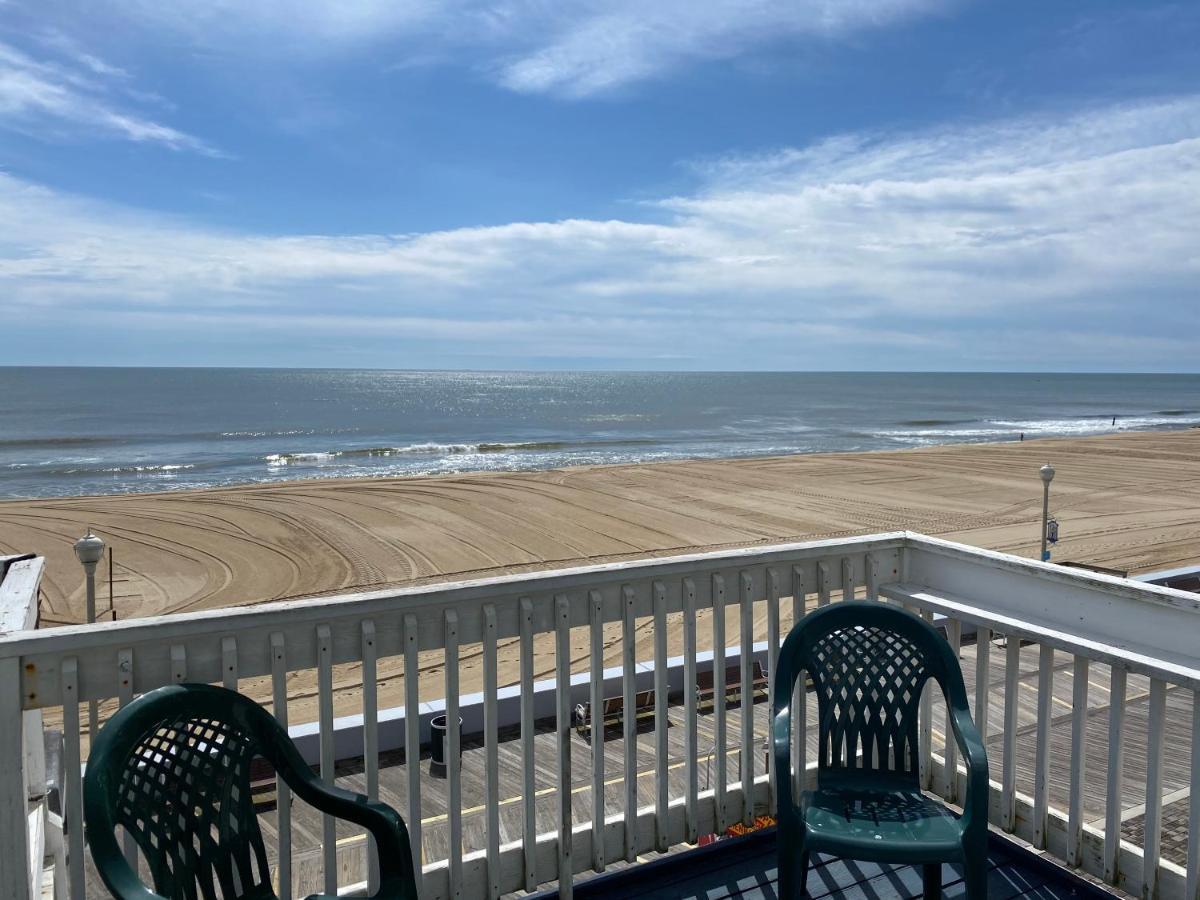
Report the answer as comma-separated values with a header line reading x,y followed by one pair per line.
x,y
306,825
745,869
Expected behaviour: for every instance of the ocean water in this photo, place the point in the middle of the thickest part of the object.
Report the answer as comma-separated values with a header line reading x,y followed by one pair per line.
x,y
67,431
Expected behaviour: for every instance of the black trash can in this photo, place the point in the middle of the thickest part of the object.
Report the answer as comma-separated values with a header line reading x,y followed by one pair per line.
x,y
439,750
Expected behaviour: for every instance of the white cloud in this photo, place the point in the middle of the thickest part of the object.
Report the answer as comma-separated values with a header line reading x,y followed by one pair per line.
x,y
74,96
859,246
570,47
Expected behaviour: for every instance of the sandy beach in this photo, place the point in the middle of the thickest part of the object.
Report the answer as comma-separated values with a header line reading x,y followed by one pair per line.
x,y
1128,501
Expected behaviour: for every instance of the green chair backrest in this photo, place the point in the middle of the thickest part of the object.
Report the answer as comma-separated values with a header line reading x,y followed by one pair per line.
x,y
869,663
174,772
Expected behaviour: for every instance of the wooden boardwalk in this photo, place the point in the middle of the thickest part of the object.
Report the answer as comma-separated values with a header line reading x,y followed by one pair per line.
x,y
1176,740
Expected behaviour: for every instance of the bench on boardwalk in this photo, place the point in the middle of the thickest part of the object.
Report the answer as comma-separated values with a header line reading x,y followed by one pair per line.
x,y
706,688
612,711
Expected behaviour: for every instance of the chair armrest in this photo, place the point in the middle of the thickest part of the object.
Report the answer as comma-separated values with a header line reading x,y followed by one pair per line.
x,y
396,876
975,756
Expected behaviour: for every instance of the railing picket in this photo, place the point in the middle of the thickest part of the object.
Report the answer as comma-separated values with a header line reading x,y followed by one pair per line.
x,y
596,712
954,639
73,789
1152,843
453,757
491,738
178,663
1079,717
823,585
529,838
872,575
412,739
629,720
847,579
719,697
1192,891
325,720
283,794
800,694
746,658
661,722
229,662
124,697
370,714
1012,687
983,679
772,665
925,717
562,662
691,745
1116,774
1041,774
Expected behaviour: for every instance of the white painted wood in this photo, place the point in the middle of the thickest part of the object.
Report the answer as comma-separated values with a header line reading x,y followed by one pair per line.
x,y
1079,716
229,662
925,736
1012,687
954,639
983,679
720,736
772,665
491,750
691,746
823,583
73,787
325,721
18,595
800,694
562,617
283,794
124,697
412,736
370,707
178,663
746,700
1116,773
1192,891
1041,765
872,564
847,579
596,733
14,798
661,720
453,751
529,838
629,719
297,619
1152,843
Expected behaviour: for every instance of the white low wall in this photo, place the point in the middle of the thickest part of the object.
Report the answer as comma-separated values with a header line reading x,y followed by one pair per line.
x,y
348,730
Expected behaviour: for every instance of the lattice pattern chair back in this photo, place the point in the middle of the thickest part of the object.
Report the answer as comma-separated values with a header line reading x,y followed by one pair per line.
x,y
184,795
869,664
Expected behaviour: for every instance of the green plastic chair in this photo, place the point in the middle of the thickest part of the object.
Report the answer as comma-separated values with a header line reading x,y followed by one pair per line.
x,y
173,769
869,663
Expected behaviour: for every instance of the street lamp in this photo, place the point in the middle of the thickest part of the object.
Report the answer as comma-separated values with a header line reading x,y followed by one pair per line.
x,y
1047,473
88,550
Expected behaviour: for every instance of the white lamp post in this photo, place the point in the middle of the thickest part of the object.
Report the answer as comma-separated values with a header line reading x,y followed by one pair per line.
x,y
88,550
1047,473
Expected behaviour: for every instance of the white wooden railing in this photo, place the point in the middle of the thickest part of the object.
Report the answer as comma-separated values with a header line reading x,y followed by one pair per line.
x,y
1131,629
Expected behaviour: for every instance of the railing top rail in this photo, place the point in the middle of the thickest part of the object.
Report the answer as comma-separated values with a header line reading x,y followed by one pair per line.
x,y
1129,588
497,588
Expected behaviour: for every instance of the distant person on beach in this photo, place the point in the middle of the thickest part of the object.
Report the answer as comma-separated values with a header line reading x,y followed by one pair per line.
x,y
1114,420
1022,435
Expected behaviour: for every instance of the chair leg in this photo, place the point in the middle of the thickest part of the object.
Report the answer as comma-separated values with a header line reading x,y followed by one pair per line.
x,y
793,876
804,874
932,877
976,879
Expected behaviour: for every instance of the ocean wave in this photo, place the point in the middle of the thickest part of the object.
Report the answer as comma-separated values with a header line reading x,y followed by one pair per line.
x,y
436,449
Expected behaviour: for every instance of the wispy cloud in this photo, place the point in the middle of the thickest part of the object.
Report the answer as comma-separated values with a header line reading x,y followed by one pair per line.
x,y
917,246
570,48
77,94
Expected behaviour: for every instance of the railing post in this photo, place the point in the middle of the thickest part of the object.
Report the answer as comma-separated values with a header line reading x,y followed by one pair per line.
x,y
14,799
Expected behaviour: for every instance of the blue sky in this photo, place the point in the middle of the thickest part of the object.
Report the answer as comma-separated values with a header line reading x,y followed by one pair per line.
x,y
846,184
